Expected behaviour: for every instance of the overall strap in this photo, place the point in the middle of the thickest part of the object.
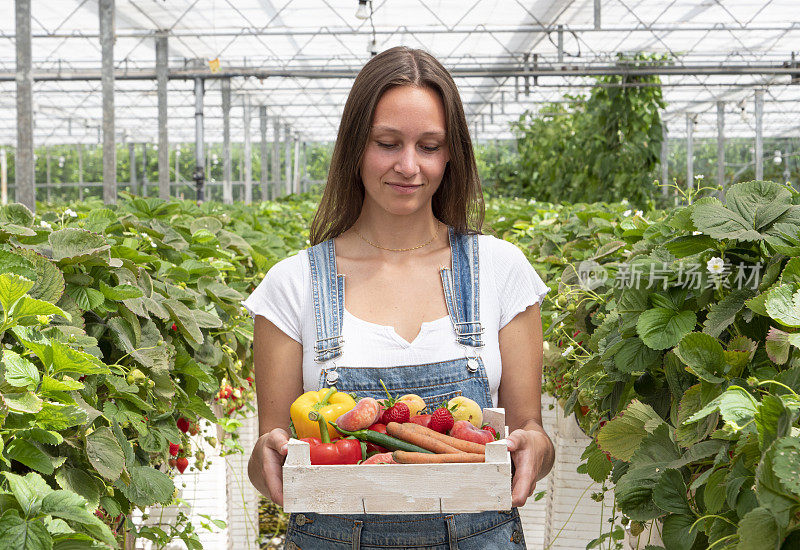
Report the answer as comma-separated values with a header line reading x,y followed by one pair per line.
x,y
461,289
327,288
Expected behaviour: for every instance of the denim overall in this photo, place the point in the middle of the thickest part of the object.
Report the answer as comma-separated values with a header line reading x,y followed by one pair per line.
x,y
435,383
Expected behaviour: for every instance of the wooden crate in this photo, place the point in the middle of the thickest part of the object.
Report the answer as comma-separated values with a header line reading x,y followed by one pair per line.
x,y
400,488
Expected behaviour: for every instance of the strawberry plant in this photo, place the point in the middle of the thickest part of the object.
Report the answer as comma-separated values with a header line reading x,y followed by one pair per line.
x,y
119,324
677,331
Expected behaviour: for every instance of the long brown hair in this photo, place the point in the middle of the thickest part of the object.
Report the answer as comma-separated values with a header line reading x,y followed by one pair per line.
x,y
458,201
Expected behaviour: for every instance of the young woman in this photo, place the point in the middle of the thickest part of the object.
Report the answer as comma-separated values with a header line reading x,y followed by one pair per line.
x,y
399,285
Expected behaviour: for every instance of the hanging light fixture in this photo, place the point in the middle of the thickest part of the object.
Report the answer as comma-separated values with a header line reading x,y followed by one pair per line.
x,y
363,10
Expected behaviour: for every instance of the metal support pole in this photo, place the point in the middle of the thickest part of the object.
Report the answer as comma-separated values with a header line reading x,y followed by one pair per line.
x,y
162,70
664,160
720,143
227,179
47,178
296,178
25,182
560,34
3,177
248,152
199,174
144,169
109,141
132,163
527,66
759,134
276,161
80,172
597,24
262,119
689,151
787,174
304,167
287,160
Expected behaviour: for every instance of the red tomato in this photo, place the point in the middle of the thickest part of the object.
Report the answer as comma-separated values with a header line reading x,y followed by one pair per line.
x,y
372,447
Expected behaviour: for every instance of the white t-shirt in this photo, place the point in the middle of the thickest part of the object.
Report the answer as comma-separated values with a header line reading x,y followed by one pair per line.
x,y
508,285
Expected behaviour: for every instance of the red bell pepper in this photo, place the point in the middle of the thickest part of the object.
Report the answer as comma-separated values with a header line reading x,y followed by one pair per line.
x,y
343,451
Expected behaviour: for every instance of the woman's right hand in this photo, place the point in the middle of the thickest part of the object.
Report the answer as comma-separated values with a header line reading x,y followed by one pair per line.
x,y
273,447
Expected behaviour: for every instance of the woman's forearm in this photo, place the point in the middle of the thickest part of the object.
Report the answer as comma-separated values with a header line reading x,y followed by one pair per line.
x,y
542,441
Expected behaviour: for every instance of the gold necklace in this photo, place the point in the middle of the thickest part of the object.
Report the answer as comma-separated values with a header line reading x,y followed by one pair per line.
x,y
363,238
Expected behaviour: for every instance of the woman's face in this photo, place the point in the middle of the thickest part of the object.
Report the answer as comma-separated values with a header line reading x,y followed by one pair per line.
x,y
406,153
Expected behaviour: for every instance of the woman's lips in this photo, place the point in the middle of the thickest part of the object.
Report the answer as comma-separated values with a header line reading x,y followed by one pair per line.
x,y
403,188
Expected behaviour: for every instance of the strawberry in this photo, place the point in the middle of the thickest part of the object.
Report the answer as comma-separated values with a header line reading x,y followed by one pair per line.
x,y
172,462
183,424
399,412
174,326
489,429
174,448
396,411
194,428
182,463
441,420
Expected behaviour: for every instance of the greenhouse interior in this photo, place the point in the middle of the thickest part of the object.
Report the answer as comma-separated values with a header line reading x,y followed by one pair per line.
x,y
159,157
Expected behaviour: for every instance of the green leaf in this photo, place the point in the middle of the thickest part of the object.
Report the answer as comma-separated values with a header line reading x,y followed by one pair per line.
x,y
791,272
736,406
104,453
148,486
55,416
27,402
770,490
786,461
713,219
12,288
67,505
783,305
82,483
19,372
120,292
714,493
703,355
67,359
758,202
50,385
598,465
28,490
621,436
184,319
72,245
49,285
35,341
724,312
662,328
758,530
669,494
772,419
30,455
31,307
676,532
18,534
702,450
635,356
85,298
16,264
18,214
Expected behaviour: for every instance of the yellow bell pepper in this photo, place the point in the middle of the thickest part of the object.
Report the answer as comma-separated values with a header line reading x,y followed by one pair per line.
x,y
328,402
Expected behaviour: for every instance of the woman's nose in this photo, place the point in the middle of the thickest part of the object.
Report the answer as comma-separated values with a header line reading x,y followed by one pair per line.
x,y
407,164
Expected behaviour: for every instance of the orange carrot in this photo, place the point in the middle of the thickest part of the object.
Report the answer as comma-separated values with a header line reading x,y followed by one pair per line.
x,y
406,457
460,444
401,431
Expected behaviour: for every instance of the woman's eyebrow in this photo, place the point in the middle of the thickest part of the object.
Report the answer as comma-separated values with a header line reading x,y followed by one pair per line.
x,y
391,130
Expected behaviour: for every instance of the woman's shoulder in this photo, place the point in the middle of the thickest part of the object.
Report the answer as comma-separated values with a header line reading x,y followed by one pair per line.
x,y
291,266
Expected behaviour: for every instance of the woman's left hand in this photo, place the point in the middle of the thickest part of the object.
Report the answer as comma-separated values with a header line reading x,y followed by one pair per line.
x,y
528,455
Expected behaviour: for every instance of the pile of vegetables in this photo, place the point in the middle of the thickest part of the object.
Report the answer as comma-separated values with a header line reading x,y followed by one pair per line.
x,y
343,430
